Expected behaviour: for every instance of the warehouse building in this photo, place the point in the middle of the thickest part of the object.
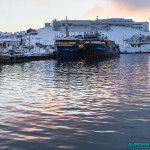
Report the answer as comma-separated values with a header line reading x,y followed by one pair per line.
x,y
101,24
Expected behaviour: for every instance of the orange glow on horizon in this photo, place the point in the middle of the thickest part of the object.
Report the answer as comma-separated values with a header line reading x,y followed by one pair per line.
x,y
118,9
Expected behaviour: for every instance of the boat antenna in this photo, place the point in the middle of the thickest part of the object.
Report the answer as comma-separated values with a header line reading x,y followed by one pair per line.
x,y
67,31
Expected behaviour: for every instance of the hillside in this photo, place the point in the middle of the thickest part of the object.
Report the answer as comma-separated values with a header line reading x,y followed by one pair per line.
x,y
118,34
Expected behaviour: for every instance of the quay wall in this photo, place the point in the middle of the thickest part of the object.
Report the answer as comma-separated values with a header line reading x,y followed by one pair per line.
x,y
15,59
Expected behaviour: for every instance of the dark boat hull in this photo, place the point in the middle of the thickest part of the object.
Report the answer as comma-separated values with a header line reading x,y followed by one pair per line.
x,y
99,51
68,52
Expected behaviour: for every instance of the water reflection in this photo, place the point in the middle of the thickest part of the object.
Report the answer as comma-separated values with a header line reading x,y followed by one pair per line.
x,y
75,105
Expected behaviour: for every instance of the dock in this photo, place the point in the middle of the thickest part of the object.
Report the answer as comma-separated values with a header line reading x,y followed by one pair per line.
x,y
8,58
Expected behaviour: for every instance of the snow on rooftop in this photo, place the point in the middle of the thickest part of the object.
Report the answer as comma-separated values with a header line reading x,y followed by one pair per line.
x,y
20,33
6,34
9,40
119,34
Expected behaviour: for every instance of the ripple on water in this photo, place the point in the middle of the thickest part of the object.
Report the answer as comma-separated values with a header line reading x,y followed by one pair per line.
x,y
75,105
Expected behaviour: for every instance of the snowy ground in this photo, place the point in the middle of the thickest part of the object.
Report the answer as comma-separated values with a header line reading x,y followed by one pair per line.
x,y
118,34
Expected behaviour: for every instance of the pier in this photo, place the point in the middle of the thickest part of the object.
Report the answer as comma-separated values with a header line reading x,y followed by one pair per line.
x,y
8,58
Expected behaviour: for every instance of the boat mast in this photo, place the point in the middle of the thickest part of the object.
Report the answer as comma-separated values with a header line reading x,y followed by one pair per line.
x,y
67,31
29,42
96,31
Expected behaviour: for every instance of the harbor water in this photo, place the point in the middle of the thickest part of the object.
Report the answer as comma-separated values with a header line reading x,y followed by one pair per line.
x,y
80,105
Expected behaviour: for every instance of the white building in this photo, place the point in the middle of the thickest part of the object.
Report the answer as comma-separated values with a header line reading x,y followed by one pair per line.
x,y
6,35
144,26
47,25
101,24
20,34
10,42
78,25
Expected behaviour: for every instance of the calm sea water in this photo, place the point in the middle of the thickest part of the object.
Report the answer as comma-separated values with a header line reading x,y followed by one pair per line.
x,y
80,105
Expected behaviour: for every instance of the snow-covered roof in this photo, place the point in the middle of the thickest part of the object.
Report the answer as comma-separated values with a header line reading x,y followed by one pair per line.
x,y
6,34
9,40
20,33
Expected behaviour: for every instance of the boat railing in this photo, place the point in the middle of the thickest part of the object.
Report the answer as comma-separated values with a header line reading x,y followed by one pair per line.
x,y
65,43
65,38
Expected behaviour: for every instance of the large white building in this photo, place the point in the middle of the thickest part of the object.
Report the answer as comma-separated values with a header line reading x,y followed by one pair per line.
x,y
101,24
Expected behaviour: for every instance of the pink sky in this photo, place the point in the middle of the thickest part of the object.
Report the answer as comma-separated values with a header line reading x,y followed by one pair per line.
x,y
19,15
137,9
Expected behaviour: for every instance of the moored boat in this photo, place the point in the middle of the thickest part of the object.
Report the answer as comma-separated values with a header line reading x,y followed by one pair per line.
x,y
68,47
97,46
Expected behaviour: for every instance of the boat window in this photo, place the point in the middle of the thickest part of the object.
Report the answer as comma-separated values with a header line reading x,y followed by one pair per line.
x,y
65,40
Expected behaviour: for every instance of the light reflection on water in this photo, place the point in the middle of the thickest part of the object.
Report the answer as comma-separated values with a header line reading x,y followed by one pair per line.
x,y
98,104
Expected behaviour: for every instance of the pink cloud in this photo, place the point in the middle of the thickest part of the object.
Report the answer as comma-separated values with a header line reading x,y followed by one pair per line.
x,y
120,8
137,4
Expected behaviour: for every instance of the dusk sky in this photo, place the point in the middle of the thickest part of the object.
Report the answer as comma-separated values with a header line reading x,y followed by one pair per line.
x,y
17,15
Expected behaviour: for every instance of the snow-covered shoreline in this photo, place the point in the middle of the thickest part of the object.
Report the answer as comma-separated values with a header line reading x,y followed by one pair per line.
x,y
118,34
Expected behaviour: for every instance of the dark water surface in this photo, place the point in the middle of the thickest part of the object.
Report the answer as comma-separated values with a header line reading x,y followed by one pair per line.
x,y
81,105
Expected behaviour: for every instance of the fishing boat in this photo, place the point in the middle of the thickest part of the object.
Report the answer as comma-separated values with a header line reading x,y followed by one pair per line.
x,y
68,47
97,46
